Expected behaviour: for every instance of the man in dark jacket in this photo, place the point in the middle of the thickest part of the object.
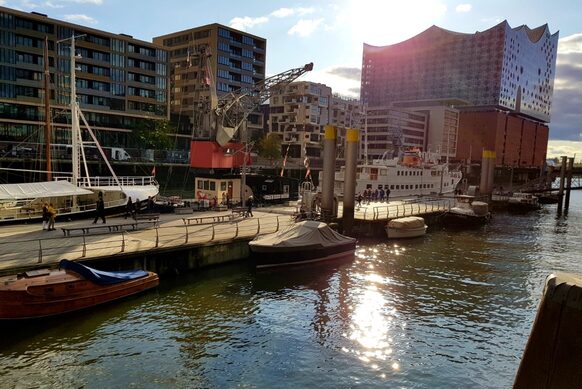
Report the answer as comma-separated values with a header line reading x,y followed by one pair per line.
x,y
100,210
250,206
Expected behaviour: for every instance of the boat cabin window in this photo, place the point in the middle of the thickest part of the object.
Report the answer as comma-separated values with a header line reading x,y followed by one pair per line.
x,y
212,185
200,184
397,187
398,172
223,186
391,187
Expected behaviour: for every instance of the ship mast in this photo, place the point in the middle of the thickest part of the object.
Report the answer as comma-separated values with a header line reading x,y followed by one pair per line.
x,y
47,112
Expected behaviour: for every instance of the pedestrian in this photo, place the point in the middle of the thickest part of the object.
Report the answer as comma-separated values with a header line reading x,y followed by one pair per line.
x,y
136,207
151,204
129,208
359,200
250,206
387,195
100,209
45,216
214,202
52,214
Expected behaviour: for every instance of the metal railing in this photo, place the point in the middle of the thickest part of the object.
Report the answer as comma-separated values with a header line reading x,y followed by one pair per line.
x,y
51,250
410,208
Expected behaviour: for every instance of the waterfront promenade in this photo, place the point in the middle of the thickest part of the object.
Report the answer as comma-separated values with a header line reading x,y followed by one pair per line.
x,y
27,245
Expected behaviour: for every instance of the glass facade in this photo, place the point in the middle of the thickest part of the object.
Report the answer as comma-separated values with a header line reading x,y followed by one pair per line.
x,y
120,80
513,69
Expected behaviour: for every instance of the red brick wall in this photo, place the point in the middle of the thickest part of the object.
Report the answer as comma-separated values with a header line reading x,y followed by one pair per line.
x,y
516,140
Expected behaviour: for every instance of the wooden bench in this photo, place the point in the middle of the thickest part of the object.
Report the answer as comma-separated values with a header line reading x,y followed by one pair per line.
x,y
183,210
147,216
208,219
109,227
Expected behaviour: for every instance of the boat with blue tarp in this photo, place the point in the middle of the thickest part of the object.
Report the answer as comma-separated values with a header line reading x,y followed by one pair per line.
x,y
71,287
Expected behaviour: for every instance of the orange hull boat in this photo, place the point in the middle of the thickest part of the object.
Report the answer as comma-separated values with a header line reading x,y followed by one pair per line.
x,y
41,293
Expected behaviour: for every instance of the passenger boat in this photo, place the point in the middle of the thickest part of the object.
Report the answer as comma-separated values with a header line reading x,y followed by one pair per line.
x,y
406,227
74,194
303,242
74,286
523,202
414,173
467,212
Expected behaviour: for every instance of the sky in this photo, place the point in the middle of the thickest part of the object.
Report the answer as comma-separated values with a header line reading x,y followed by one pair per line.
x,y
331,35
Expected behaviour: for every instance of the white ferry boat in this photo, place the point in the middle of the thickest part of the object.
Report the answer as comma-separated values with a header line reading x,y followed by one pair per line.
x,y
414,173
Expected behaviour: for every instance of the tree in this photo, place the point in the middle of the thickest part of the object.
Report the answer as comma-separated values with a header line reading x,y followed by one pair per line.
x,y
270,146
154,134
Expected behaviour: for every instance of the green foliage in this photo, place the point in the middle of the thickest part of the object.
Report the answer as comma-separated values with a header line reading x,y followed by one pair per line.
x,y
154,134
270,146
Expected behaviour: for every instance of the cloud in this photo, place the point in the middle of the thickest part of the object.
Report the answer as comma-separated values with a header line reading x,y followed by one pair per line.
x,y
462,8
94,2
80,18
247,22
305,27
283,12
52,5
557,148
349,73
566,116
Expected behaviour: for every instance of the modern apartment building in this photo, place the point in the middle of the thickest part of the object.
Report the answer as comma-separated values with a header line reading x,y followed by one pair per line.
x,y
299,114
205,57
387,129
345,113
501,69
121,81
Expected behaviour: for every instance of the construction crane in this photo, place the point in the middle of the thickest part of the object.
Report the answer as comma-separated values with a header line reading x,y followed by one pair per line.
x,y
229,112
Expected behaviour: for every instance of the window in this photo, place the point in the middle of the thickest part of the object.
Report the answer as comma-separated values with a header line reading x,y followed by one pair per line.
x,y
200,184
223,186
213,186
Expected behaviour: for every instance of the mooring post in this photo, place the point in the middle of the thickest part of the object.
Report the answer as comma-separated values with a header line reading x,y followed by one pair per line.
x,y
329,155
569,184
352,138
562,179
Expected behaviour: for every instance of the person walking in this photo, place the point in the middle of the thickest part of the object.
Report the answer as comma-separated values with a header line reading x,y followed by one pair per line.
x,y
129,207
100,210
136,207
45,216
151,204
52,215
387,195
250,206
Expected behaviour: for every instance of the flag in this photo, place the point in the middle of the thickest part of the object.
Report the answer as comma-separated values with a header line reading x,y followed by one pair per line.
x,y
154,171
285,160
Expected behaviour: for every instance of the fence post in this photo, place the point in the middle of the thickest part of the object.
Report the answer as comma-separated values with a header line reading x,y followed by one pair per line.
x,y
213,232
39,251
186,227
236,231
158,235
122,241
277,224
258,226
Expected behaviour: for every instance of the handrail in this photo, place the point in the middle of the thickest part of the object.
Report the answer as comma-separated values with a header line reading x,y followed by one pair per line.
x,y
175,235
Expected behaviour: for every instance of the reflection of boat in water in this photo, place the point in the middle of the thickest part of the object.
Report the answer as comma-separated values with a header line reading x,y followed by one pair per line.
x,y
413,173
73,286
467,212
303,242
75,194
406,227
523,202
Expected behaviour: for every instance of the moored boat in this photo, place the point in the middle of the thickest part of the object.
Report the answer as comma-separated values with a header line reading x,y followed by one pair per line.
x,y
406,227
303,242
49,292
523,202
467,213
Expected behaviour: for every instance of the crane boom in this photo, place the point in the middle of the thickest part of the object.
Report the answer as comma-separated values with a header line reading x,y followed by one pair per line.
x,y
233,109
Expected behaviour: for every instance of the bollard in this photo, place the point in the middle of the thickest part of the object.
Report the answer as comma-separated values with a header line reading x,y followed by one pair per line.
x,y
568,184
562,179
352,138
329,155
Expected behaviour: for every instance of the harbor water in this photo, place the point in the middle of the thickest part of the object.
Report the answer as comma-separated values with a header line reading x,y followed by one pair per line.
x,y
451,309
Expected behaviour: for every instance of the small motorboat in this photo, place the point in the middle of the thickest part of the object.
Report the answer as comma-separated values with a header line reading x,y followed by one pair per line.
x,y
406,227
73,286
303,242
467,213
523,202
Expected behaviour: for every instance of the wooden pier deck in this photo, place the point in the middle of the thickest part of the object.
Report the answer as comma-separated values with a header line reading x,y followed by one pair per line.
x,y
27,245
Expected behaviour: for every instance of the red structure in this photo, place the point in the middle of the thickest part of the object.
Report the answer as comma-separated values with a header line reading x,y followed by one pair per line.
x,y
518,141
210,155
